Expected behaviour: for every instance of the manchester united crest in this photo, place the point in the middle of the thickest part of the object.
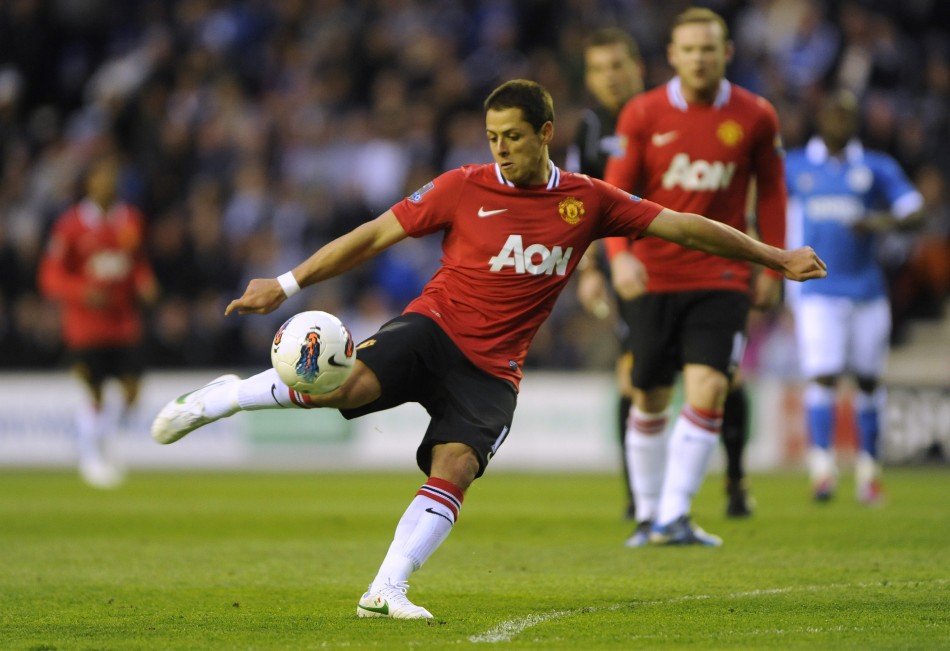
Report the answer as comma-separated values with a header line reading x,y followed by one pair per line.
x,y
571,210
730,133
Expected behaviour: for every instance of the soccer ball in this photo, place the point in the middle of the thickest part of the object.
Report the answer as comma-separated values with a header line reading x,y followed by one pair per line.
x,y
313,352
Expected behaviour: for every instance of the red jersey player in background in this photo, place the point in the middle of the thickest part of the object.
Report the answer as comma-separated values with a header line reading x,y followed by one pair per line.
x,y
699,144
512,234
95,266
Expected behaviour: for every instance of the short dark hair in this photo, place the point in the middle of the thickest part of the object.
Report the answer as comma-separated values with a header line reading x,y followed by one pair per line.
x,y
531,97
612,36
700,15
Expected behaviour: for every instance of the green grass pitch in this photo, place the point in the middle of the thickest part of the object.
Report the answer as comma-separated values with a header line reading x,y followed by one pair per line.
x,y
278,561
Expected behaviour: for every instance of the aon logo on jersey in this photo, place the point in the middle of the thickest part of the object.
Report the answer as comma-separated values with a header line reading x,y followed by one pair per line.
x,y
698,174
536,259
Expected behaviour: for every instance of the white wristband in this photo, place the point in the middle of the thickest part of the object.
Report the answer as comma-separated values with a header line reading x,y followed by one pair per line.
x,y
288,283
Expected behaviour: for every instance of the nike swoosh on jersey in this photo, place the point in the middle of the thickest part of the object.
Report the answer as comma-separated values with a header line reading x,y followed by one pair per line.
x,y
663,139
488,213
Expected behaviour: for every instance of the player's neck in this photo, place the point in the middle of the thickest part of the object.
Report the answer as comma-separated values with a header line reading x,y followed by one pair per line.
x,y
101,204
706,96
835,148
545,169
542,174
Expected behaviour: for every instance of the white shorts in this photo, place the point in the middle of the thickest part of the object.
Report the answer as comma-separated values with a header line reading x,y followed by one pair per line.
x,y
839,335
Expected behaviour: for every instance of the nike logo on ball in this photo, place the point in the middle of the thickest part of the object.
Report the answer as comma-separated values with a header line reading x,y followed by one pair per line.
x,y
333,361
488,213
662,139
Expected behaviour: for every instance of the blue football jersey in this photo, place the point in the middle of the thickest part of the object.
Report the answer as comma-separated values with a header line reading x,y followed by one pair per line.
x,y
828,196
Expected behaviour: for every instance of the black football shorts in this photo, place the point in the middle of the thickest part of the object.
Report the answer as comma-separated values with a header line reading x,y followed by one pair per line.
x,y
668,330
416,361
95,365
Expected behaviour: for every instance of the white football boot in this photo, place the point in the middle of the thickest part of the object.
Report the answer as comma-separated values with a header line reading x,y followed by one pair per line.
x,y
390,600
186,413
100,473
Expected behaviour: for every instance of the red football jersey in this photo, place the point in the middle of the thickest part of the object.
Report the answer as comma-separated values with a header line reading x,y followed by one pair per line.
x,y
700,158
508,251
94,251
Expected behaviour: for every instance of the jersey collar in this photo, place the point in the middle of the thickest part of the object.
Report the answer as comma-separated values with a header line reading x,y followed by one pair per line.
x,y
817,152
92,215
554,178
674,92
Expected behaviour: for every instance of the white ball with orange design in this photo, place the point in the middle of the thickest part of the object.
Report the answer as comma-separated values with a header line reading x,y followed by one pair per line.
x,y
313,352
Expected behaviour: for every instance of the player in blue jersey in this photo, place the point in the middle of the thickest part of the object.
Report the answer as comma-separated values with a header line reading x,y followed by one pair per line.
x,y
840,197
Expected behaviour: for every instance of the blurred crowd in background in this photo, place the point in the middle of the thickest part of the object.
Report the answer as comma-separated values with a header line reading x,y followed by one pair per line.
x,y
254,131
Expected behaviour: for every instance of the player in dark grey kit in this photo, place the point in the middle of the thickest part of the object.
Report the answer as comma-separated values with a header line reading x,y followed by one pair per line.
x,y
613,73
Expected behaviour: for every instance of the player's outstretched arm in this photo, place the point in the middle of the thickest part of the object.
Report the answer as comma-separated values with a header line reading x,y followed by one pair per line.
x,y
697,232
264,295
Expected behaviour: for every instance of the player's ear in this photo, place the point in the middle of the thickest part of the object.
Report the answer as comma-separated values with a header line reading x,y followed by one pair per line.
x,y
547,132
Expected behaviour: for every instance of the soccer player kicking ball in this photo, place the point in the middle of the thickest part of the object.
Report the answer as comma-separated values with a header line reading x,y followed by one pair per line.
x,y
513,232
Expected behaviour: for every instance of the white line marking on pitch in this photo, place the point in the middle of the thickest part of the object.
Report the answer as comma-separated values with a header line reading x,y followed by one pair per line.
x,y
505,631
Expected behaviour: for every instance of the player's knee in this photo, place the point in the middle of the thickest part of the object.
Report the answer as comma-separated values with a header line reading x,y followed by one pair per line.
x,y
361,388
652,401
455,462
705,387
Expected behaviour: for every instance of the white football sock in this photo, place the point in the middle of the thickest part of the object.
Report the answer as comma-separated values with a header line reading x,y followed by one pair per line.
x,y
91,431
821,465
266,391
866,469
261,391
646,459
694,439
423,527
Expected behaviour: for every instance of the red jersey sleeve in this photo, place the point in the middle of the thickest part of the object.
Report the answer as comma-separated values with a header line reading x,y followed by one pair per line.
x,y
623,170
624,213
615,245
420,218
771,191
